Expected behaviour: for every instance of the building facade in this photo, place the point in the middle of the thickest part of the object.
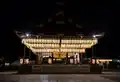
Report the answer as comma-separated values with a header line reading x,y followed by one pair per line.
x,y
52,48
66,49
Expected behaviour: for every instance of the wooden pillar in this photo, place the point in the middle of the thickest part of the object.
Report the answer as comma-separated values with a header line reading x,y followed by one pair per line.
x,y
40,59
52,57
24,54
79,58
66,58
37,59
29,54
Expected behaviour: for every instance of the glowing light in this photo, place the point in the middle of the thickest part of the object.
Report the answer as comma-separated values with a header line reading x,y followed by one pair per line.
x,y
78,41
44,45
94,36
76,45
45,50
42,40
73,50
58,41
52,45
27,34
21,61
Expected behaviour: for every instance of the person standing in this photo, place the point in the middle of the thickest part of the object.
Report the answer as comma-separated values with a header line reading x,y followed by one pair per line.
x,y
101,65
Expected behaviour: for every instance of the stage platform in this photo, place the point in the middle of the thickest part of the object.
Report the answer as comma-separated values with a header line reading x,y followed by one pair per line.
x,y
58,69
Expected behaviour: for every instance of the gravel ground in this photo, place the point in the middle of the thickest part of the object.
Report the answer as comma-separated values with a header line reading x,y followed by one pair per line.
x,y
53,78
105,77
114,78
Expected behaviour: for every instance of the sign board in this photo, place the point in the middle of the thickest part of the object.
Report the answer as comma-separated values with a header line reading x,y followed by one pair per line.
x,y
59,54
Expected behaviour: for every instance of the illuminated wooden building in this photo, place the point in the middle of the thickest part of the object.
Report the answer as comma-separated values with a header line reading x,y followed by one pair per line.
x,y
58,46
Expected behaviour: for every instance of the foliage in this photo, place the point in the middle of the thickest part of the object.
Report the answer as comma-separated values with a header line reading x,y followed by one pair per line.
x,y
2,62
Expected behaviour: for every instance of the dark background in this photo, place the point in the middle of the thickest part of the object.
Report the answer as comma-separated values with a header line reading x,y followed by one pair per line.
x,y
91,15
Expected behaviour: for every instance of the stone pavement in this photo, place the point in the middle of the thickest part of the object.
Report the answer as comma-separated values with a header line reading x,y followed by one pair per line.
x,y
53,78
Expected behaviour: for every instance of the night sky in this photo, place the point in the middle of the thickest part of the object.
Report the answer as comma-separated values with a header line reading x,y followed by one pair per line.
x,y
100,16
